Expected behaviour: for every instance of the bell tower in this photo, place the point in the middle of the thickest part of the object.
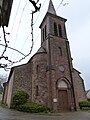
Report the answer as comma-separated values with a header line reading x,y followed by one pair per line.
x,y
52,24
59,61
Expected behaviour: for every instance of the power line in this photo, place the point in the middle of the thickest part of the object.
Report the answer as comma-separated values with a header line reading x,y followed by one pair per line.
x,y
6,45
20,23
15,18
31,34
33,24
19,26
23,44
31,45
36,9
13,49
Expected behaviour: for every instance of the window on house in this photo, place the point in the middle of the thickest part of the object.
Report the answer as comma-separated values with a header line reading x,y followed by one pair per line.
x,y
65,30
37,69
45,31
60,51
37,91
60,30
55,29
43,34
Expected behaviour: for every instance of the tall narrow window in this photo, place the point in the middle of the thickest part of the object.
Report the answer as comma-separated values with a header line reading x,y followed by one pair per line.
x,y
60,51
37,69
43,34
60,30
45,31
65,31
55,29
37,91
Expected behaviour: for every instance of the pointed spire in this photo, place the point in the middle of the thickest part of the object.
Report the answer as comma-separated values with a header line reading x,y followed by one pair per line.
x,y
51,8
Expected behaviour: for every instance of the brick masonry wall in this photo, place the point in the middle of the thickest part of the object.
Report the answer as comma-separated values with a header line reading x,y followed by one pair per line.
x,y
23,79
39,79
56,61
79,88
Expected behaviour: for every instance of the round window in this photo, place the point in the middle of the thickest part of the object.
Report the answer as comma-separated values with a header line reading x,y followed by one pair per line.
x,y
61,68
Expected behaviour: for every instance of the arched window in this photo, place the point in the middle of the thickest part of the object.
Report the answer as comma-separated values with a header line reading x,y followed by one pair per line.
x,y
65,31
60,30
55,29
37,93
45,31
60,51
62,84
43,34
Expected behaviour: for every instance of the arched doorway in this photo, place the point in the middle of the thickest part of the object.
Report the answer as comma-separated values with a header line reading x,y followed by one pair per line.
x,y
63,103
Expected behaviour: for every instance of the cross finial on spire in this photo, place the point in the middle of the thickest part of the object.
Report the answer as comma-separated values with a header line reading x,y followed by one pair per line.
x,y
51,8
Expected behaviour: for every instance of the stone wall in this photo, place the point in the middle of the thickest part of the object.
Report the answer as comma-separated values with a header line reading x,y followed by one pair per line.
x,y
39,79
23,78
9,91
79,87
5,91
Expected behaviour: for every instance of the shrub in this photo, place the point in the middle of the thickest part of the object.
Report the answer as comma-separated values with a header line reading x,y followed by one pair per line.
x,y
84,105
3,105
33,108
20,98
88,99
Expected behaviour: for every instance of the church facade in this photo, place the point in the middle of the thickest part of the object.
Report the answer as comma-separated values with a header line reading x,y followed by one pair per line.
x,y
49,77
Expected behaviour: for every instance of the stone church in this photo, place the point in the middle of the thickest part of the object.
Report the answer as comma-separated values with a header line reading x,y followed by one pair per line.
x,y
49,77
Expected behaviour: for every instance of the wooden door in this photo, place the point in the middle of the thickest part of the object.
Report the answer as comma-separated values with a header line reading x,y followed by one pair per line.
x,y
63,100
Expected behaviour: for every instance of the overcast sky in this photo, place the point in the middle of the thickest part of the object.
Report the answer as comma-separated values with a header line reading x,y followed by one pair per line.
x,y
77,26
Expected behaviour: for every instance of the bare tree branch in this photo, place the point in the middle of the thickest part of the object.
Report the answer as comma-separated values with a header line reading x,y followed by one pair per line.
x,y
35,5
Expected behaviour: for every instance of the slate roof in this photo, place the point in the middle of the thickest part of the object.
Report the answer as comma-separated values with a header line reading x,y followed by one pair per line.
x,y
41,50
51,8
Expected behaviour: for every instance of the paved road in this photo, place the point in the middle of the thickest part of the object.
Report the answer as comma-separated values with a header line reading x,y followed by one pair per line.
x,y
7,114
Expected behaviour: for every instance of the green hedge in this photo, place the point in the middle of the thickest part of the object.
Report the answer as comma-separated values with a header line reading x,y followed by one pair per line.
x,y
20,102
88,99
20,98
33,108
85,105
